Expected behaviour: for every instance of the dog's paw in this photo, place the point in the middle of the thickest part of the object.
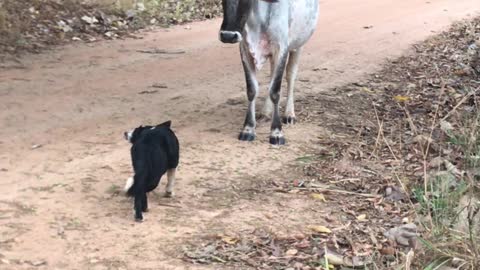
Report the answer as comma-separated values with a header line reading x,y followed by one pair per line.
x,y
168,194
138,216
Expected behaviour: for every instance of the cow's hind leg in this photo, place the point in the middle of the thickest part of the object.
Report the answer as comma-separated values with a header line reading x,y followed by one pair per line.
x,y
248,132
276,135
292,68
170,183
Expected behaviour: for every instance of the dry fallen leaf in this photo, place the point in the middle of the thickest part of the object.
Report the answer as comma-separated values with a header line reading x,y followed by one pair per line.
x,y
401,98
368,90
291,252
319,229
318,196
336,258
362,217
229,240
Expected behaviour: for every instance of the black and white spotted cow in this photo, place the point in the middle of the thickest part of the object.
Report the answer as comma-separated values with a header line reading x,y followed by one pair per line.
x,y
274,30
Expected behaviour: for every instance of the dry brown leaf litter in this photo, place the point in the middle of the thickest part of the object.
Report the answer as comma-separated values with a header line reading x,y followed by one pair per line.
x,y
34,25
364,171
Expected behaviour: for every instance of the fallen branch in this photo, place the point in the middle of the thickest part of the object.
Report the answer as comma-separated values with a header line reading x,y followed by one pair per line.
x,y
161,51
458,105
326,189
148,92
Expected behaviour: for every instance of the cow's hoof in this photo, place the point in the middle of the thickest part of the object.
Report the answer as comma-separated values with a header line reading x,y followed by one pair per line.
x,y
289,120
139,219
168,194
244,136
277,140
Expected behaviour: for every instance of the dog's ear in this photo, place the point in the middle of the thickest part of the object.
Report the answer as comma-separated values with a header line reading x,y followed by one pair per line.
x,y
166,124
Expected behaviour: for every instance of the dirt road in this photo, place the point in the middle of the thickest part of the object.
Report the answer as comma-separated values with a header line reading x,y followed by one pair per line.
x,y
63,159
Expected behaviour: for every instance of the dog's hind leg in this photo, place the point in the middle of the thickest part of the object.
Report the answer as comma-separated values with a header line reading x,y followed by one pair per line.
x,y
144,203
138,206
170,183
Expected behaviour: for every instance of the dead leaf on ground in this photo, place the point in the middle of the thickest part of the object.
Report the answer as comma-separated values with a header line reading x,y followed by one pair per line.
x,y
401,99
228,239
336,258
291,252
318,196
319,229
362,217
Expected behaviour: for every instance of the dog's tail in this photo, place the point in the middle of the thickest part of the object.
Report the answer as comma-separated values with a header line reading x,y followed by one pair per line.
x,y
128,185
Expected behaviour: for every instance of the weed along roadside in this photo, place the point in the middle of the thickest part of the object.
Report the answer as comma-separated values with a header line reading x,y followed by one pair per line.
x,y
398,183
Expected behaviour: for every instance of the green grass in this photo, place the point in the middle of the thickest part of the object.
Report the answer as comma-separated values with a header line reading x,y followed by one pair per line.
x,y
452,229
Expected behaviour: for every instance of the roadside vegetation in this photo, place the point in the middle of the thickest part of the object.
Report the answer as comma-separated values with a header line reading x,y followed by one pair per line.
x,y
34,25
398,176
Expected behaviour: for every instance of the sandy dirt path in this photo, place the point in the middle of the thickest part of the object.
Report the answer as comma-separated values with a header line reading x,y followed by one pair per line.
x,y
59,206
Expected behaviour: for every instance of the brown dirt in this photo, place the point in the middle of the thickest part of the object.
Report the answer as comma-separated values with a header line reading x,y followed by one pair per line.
x,y
60,207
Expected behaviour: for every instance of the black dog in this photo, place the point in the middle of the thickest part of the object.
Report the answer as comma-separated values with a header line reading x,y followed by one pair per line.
x,y
155,150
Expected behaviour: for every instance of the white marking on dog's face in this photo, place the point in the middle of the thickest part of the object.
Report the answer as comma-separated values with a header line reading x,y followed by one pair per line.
x,y
128,135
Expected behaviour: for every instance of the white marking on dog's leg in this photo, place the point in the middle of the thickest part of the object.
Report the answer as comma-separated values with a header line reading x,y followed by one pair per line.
x,y
292,69
170,183
128,184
